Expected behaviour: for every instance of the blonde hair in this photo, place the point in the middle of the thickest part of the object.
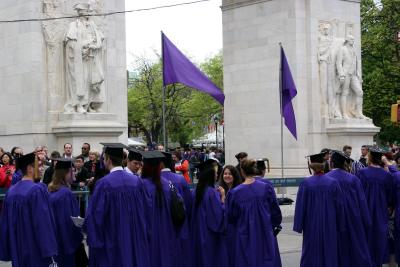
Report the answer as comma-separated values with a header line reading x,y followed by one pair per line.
x,y
97,154
58,179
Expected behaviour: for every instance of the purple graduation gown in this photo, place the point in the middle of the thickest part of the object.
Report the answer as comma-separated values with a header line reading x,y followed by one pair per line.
x,y
115,222
319,214
183,234
27,235
164,238
396,178
253,212
378,186
352,243
69,237
208,224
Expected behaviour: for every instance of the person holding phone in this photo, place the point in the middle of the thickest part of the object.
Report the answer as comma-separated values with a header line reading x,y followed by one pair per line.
x,y
7,170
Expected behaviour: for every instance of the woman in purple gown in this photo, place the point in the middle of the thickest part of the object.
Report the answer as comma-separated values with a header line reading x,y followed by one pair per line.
x,y
64,206
229,178
352,243
396,178
378,185
319,214
208,221
253,213
161,232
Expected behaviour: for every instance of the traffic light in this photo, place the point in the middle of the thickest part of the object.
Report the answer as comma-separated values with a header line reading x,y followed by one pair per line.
x,y
395,114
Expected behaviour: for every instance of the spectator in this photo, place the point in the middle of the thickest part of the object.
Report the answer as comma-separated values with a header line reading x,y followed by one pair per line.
x,y
41,161
354,166
94,168
1,153
81,174
48,173
67,151
85,151
193,162
16,152
47,161
364,156
6,170
181,166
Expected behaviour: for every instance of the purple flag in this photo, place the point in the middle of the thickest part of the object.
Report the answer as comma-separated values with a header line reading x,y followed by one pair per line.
x,y
177,68
288,92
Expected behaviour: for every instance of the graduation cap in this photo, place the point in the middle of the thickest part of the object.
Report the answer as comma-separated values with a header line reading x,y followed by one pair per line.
x,y
114,149
375,150
63,163
134,154
339,157
153,157
316,158
261,164
325,151
24,161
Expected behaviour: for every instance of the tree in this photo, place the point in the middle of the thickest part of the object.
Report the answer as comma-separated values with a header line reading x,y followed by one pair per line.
x,y
381,63
188,111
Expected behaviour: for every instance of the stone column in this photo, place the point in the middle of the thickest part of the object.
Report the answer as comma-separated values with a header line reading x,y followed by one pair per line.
x,y
252,31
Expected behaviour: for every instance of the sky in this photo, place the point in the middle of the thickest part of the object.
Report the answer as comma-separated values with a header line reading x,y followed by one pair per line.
x,y
195,29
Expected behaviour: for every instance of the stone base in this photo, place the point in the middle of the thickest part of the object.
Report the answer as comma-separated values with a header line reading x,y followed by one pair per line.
x,y
91,127
353,132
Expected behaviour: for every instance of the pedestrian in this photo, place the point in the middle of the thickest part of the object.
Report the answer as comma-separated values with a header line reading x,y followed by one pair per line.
x,y
162,233
208,220
115,223
27,233
6,170
64,205
255,216
352,243
378,188
319,215
229,178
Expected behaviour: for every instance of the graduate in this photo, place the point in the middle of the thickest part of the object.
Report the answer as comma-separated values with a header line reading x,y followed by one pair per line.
x,y
378,185
396,178
352,243
163,235
319,214
229,178
27,234
208,220
134,163
115,222
64,205
253,213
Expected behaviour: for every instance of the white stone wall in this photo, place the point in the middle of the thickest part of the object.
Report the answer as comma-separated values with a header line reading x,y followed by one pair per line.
x,y
252,31
29,109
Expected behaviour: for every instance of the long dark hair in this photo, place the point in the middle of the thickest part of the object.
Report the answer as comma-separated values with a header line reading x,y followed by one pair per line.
x,y
153,172
237,180
206,178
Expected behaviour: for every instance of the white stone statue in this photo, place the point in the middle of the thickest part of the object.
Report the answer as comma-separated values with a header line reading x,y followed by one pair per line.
x,y
84,50
350,94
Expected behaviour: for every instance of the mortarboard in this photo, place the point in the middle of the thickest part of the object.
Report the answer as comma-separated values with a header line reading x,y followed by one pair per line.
x,y
114,149
134,154
24,161
376,150
317,158
210,163
153,157
339,156
63,163
168,162
325,151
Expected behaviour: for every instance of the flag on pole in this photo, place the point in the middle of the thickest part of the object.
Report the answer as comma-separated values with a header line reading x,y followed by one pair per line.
x,y
177,68
288,92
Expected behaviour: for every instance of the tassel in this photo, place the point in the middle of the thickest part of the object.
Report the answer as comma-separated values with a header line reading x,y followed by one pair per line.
x,y
36,174
268,168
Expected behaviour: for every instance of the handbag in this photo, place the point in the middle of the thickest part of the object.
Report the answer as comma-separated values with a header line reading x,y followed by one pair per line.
x,y
178,212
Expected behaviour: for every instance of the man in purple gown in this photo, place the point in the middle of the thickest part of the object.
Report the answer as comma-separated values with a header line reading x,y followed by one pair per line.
x,y
27,235
352,243
319,214
378,188
115,223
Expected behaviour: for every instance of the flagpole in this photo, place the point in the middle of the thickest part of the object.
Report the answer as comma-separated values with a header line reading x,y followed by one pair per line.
x,y
281,106
163,98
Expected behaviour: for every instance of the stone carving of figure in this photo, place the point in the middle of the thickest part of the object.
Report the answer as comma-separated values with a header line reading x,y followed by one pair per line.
x,y
84,63
350,94
325,65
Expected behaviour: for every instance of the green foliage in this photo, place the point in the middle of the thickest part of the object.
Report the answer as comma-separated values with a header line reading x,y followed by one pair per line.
x,y
381,63
188,111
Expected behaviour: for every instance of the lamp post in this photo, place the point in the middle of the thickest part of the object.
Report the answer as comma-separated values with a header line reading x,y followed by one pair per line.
x,y
216,119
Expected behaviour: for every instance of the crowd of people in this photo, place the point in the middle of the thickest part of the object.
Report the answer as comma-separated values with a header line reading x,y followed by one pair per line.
x,y
142,211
